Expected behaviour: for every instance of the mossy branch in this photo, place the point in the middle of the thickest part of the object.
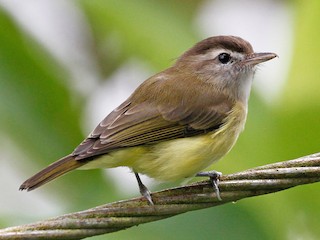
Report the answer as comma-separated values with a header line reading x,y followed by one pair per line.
x,y
120,215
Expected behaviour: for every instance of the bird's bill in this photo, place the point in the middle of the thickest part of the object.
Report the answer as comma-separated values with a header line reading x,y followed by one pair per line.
x,y
256,58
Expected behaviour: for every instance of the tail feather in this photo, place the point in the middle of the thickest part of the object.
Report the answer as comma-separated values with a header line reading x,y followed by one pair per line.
x,y
51,172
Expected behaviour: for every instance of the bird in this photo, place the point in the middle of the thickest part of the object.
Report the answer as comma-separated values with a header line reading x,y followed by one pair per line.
x,y
177,122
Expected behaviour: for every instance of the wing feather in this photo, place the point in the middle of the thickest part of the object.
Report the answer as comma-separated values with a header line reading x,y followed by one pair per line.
x,y
147,120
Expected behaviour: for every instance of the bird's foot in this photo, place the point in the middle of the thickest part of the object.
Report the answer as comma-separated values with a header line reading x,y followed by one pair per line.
x,y
214,177
144,190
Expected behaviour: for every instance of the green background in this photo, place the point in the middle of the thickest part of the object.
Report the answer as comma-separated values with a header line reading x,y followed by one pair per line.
x,y
36,101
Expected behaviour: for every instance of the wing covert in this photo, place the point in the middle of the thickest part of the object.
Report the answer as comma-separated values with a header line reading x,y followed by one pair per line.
x,y
141,120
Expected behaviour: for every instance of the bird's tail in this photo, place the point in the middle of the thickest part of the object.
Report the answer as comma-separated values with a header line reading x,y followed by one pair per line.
x,y
51,172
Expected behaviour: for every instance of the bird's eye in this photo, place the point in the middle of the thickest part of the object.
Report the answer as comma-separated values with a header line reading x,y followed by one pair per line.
x,y
224,58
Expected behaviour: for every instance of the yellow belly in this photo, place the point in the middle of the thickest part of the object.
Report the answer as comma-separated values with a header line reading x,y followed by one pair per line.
x,y
181,158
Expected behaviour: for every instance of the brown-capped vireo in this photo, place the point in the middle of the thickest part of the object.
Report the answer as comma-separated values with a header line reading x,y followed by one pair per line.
x,y
177,122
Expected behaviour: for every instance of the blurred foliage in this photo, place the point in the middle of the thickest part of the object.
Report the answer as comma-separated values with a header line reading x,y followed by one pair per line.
x,y
39,113
140,28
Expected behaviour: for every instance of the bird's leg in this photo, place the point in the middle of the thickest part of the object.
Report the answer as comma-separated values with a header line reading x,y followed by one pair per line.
x,y
214,179
143,189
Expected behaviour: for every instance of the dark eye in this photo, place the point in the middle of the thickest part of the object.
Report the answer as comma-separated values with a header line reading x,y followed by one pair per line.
x,y
224,58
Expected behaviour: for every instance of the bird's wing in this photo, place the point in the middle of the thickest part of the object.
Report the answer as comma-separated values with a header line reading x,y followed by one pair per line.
x,y
151,120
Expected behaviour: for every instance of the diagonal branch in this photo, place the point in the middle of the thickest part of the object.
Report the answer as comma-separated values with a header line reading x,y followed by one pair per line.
x,y
124,214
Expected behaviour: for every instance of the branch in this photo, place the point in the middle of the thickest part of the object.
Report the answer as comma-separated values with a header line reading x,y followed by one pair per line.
x,y
120,215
